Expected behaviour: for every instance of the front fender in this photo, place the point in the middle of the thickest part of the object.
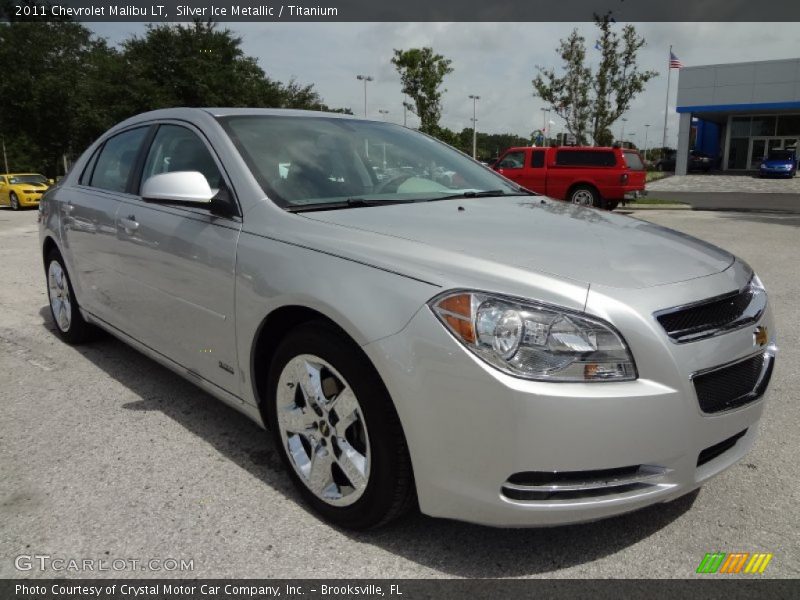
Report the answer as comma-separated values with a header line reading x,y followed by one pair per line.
x,y
368,303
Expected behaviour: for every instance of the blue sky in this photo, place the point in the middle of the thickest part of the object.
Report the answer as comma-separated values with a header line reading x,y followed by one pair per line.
x,y
496,61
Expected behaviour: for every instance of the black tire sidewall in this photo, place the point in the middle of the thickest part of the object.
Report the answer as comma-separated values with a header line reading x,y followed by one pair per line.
x,y
379,414
13,201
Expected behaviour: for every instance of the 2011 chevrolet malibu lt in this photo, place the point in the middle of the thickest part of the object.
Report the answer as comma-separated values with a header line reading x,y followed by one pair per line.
x,y
410,326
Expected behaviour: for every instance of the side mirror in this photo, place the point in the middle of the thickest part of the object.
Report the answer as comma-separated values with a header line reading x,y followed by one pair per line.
x,y
178,186
51,181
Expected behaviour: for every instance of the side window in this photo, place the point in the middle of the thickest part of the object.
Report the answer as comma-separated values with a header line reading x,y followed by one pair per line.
x,y
89,169
116,159
585,158
176,148
537,159
512,160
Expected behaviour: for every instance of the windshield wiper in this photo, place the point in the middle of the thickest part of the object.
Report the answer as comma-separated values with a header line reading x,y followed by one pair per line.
x,y
482,194
348,203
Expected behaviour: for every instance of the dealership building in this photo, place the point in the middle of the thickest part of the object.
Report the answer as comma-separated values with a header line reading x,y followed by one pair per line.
x,y
736,113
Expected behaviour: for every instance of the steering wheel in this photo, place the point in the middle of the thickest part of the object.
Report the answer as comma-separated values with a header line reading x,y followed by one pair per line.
x,y
391,185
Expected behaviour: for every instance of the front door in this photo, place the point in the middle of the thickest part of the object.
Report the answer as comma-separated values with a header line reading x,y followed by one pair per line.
x,y
179,262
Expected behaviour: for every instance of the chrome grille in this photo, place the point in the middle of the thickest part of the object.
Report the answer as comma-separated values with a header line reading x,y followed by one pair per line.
x,y
714,316
733,385
572,485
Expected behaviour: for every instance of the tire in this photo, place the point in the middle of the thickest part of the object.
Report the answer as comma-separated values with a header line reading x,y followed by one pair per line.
x,y
70,325
13,201
363,477
612,204
585,196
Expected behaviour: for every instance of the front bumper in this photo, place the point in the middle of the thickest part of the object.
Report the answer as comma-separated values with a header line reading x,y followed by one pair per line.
x,y
635,195
29,199
470,427
776,172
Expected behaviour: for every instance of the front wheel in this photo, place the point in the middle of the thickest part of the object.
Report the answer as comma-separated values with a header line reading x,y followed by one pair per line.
x,y
337,430
14,201
585,196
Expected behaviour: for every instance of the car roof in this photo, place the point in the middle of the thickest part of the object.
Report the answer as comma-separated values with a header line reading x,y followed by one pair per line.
x,y
198,114
18,174
592,148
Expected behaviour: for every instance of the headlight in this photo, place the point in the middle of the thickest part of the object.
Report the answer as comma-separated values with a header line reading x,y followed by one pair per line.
x,y
535,341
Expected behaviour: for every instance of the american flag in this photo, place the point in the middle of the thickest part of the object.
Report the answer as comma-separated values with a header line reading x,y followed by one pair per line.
x,y
674,62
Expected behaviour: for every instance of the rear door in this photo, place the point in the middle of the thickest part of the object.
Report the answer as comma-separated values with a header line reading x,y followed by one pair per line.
x,y
88,224
536,172
179,262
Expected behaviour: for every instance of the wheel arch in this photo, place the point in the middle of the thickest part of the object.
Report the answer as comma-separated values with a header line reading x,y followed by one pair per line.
x,y
48,246
269,334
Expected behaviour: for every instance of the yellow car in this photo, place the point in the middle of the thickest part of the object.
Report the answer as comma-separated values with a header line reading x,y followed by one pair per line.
x,y
19,190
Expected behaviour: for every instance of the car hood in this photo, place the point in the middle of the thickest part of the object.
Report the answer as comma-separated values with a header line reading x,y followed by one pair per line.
x,y
544,236
31,185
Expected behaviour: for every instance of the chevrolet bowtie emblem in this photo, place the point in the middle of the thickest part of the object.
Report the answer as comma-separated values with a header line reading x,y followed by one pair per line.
x,y
760,336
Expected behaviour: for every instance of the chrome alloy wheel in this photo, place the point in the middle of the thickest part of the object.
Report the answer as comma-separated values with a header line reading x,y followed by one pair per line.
x,y
323,430
58,290
583,197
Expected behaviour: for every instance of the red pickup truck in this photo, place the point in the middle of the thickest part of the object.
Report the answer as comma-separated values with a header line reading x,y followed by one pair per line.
x,y
593,176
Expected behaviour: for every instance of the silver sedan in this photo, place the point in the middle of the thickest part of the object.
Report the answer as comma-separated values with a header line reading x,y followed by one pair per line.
x,y
412,328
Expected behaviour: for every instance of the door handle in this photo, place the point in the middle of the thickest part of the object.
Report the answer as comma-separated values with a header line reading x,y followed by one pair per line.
x,y
129,223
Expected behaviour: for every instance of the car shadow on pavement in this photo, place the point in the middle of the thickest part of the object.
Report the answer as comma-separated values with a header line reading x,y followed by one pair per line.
x,y
451,547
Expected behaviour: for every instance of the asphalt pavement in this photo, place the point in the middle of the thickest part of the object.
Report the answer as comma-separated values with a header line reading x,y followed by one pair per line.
x,y
106,455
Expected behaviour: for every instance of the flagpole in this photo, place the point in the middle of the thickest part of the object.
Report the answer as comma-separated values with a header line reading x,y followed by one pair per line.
x,y
666,102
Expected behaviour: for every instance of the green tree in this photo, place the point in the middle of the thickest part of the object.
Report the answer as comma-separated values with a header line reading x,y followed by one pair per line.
x,y
62,87
40,92
201,65
422,73
590,102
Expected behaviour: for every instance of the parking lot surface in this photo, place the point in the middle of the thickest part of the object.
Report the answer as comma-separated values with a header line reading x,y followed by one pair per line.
x,y
106,455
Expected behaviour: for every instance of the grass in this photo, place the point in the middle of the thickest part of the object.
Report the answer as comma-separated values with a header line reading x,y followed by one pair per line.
x,y
649,200
655,175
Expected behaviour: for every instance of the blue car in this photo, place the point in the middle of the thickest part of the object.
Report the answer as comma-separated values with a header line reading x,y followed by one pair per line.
x,y
779,163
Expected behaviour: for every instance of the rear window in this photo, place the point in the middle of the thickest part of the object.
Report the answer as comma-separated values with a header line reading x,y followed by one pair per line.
x,y
634,161
537,159
586,158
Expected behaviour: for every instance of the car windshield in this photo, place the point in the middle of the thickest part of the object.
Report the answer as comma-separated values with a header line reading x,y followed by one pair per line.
x,y
327,162
780,155
27,179
634,161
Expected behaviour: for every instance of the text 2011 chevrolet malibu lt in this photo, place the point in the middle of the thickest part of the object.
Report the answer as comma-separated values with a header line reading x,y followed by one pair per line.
x,y
410,326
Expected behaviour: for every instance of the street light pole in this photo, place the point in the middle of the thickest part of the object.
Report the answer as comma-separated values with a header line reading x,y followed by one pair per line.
x,y
383,112
622,133
646,129
5,158
365,79
474,126
544,125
